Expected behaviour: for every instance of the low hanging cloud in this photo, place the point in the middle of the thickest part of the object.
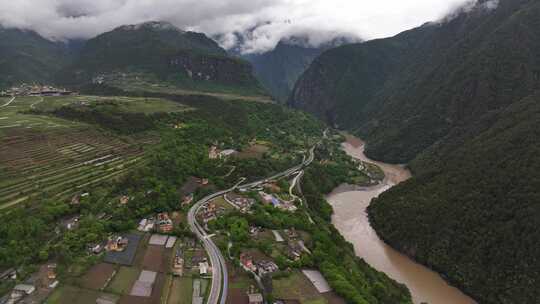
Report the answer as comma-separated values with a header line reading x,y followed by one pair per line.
x,y
259,24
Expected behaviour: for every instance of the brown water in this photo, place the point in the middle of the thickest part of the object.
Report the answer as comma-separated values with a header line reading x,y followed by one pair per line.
x,y
350,218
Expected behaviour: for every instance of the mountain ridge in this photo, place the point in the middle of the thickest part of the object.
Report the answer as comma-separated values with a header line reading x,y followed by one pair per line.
x,y
458,101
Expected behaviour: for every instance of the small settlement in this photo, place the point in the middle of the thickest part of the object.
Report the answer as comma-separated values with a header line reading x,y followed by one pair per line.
x,y
35,90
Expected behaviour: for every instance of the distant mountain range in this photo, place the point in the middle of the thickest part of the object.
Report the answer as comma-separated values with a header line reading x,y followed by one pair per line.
x,y
154,53
132,55
27,57
279,69
459,101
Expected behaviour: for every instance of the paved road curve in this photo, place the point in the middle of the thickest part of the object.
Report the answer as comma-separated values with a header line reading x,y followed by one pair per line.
x,y
8,103
220,283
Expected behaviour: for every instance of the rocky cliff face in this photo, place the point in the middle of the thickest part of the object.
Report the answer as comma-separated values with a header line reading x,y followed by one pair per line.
x,y
158,52
224,70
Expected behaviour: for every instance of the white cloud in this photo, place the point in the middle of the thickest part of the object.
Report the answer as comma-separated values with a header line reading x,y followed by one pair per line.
x,y
66,19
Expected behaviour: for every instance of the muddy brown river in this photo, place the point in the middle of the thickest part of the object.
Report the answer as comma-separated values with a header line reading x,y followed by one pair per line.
x,y
351,219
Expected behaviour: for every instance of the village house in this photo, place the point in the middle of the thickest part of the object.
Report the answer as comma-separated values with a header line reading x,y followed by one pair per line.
x,y
124,199
25,289
146,225
71,223
9,274
51,271
198,257
255,298
294,250
187,191
266,267
165,224
291,233
95,248
178,263
227,153
204,268
247,262
276,202
187,199
116,243
213,152
254,230
244,204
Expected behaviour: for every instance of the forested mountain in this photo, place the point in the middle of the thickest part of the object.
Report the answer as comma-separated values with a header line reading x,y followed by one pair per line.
x,y
279,69
25,56
457,99
157,52
406,92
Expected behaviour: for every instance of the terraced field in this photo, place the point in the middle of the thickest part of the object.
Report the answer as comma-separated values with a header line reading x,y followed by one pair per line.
x,y
43,155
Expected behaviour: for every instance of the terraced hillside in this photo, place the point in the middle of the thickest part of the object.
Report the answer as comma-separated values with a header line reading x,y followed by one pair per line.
x,y
42,155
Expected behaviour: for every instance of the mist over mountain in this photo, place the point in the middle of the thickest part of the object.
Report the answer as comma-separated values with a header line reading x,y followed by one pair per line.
x,y
279,69
154,52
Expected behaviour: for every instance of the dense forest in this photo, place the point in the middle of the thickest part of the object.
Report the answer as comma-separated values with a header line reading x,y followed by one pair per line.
x,y
473,212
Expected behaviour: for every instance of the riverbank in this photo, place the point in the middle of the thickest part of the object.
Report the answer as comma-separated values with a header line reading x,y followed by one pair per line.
x,y
351,219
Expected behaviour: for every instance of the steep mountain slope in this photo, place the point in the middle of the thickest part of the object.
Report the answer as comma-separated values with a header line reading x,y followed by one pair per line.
x,y
279,69
404,93
458,100
158,52
27,57
475,217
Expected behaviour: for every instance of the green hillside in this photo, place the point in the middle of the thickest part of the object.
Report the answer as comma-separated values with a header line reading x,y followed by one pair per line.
x,y
458,101
157,52
279,69
406,92
27,57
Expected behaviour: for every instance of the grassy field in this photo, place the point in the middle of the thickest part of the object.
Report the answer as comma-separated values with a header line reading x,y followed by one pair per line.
x,y
297,287
42,155
142,82
69,294
122,104
181,291
123,280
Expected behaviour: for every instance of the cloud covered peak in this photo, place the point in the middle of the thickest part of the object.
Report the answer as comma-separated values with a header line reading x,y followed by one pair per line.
x,y
261,24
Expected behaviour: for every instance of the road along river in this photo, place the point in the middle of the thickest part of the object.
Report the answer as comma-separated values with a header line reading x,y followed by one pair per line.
x,y
351,219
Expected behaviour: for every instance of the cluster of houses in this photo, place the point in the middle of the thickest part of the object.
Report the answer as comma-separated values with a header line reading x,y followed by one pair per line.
x,y
295,245
161,223
215,153
210,212
243,204
35,90
34,289
260,267
276,202
116,243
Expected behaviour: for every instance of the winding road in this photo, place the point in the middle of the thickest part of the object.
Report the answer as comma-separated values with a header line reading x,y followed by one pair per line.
x,y
220,283
8,103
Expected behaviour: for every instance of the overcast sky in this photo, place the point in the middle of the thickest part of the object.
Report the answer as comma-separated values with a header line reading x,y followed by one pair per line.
x,y
273,19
